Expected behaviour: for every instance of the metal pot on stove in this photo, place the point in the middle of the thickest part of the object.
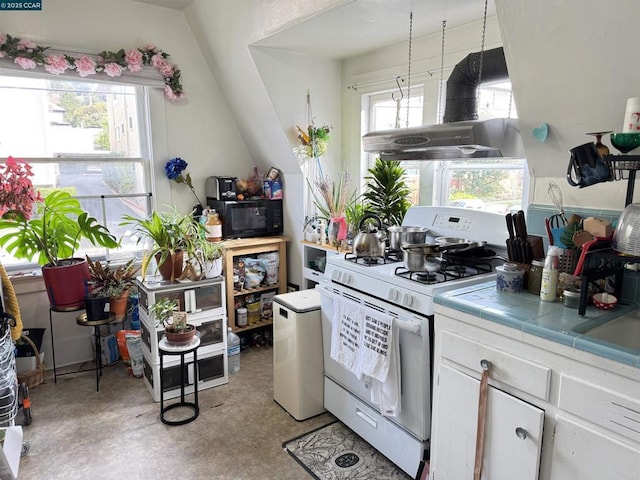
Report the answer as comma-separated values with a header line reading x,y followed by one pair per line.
x,y
421,257
369,242
403,235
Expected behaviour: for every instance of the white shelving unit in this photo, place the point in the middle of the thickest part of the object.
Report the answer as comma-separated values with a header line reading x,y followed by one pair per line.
x,y
314,259
204,302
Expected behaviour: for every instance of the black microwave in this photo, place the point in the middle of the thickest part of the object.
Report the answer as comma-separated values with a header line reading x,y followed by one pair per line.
x,y
249,218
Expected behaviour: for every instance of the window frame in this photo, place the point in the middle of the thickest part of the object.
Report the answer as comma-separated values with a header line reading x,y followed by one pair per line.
x,y
145,112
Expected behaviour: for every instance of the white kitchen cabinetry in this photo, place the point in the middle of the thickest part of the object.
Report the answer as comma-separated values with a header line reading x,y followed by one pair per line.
x,y
513,431
583,452
581,412
314,259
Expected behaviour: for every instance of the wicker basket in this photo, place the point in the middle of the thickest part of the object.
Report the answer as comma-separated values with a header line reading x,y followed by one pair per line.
x,y
33,378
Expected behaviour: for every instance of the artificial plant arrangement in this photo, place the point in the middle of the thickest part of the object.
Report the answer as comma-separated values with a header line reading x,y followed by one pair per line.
x,y
174,169
386,192
313,142
28,55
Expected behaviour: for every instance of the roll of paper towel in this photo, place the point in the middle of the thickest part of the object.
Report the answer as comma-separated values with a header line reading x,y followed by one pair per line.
x,y
632,115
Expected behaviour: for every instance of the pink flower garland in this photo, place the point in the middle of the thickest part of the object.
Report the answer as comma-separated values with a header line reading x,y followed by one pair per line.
x,y
29,56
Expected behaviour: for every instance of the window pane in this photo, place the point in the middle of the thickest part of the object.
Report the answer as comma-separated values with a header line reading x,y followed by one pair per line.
x,y
85,137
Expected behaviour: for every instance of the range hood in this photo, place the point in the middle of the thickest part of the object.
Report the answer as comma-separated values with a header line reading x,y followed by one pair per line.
x,y
496,137
461,136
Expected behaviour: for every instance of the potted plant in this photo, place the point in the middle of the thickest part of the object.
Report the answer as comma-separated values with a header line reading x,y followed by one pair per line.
x,y
332,202
386,192
51,238
176,328
171,236
112,283
210,254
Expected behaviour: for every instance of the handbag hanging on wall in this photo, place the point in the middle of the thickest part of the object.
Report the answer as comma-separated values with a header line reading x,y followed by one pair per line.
x,y
587,167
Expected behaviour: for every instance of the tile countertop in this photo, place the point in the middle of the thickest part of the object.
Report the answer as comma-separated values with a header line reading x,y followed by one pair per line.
x,y
550,320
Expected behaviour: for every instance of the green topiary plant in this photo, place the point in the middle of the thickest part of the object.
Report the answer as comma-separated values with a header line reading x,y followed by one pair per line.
x,y
386,192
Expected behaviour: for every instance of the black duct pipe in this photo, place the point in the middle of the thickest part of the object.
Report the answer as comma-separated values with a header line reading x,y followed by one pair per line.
x,y
462,85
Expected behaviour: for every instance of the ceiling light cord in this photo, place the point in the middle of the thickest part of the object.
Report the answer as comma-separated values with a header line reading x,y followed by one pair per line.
x,y
440,106
484,31
409,68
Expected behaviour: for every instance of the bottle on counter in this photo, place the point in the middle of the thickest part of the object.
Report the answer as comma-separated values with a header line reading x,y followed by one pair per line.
x,y
233,351
535,277
549,284
214,227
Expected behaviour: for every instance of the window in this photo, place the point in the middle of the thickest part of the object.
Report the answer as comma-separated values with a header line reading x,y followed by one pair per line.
x,y
494,185
73,134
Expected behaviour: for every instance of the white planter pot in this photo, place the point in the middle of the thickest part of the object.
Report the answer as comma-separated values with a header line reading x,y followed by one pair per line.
x,y
213,269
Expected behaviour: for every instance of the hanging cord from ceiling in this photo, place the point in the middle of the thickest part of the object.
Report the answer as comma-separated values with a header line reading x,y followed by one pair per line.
x,y
409,67
314,143
484,31
440,106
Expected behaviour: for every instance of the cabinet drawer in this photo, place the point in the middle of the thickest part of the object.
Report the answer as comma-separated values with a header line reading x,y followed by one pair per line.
x,y
607,409
508,369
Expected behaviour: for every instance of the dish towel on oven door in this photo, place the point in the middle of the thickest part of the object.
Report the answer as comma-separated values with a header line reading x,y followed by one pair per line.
x,y
378,359
346,333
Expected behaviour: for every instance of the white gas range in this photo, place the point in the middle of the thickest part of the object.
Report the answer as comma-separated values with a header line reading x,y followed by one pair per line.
x,y
387,286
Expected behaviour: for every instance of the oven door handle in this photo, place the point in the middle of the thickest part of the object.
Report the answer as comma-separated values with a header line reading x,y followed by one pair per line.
x,y
412,327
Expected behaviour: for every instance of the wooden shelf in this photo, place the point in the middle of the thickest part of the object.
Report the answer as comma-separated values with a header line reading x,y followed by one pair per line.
x,y
261,288
247,247
326,248
261,323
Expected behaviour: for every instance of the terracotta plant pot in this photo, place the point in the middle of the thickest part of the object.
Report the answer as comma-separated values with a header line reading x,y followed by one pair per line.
x,y
67,284
118,305
180,337
171,268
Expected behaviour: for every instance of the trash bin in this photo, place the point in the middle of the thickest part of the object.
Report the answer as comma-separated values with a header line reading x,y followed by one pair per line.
x,y
298,371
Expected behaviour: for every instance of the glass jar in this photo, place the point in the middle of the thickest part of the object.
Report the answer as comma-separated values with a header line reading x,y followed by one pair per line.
x,y
535,277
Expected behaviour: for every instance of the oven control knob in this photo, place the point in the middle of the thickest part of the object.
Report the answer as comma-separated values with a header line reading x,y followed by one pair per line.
x,y
407,299
393,294
335,275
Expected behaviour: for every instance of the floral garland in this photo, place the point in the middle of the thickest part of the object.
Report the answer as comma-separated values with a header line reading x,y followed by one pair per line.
x,y
29,55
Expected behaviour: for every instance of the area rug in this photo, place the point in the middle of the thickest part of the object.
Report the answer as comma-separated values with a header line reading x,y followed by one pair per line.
x,y
334,452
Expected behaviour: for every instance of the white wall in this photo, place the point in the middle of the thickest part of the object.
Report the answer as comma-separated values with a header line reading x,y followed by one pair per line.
x,y
573,66
266,91
201,129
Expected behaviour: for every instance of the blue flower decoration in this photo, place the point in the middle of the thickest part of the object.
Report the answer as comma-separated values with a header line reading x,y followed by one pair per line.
x,y
174,168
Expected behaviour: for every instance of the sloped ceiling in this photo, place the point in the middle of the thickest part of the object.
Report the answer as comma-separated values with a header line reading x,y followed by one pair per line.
x,y
355,27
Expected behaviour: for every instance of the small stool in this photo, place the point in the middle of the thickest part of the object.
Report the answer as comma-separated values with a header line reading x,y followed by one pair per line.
x,y
96,324
168,348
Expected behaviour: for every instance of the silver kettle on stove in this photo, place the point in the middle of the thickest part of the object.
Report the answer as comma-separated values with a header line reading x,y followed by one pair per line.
x,y
369,242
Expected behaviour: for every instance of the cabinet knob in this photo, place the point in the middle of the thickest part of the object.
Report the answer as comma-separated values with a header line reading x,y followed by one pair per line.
x,y
521,433
485,364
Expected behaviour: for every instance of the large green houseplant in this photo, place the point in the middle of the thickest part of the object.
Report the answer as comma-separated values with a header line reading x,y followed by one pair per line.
x,y
51,238
170,236
386,192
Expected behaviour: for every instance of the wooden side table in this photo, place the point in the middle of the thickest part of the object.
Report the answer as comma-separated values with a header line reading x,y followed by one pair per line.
x,y
167,348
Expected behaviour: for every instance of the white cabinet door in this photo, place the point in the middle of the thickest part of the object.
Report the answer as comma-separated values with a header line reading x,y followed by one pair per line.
x,y
513,432
583,453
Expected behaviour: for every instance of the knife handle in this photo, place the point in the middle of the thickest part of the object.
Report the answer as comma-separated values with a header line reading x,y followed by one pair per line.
x,y
509,218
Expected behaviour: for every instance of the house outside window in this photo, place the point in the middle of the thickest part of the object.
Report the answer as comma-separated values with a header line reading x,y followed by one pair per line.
x,y
73,134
